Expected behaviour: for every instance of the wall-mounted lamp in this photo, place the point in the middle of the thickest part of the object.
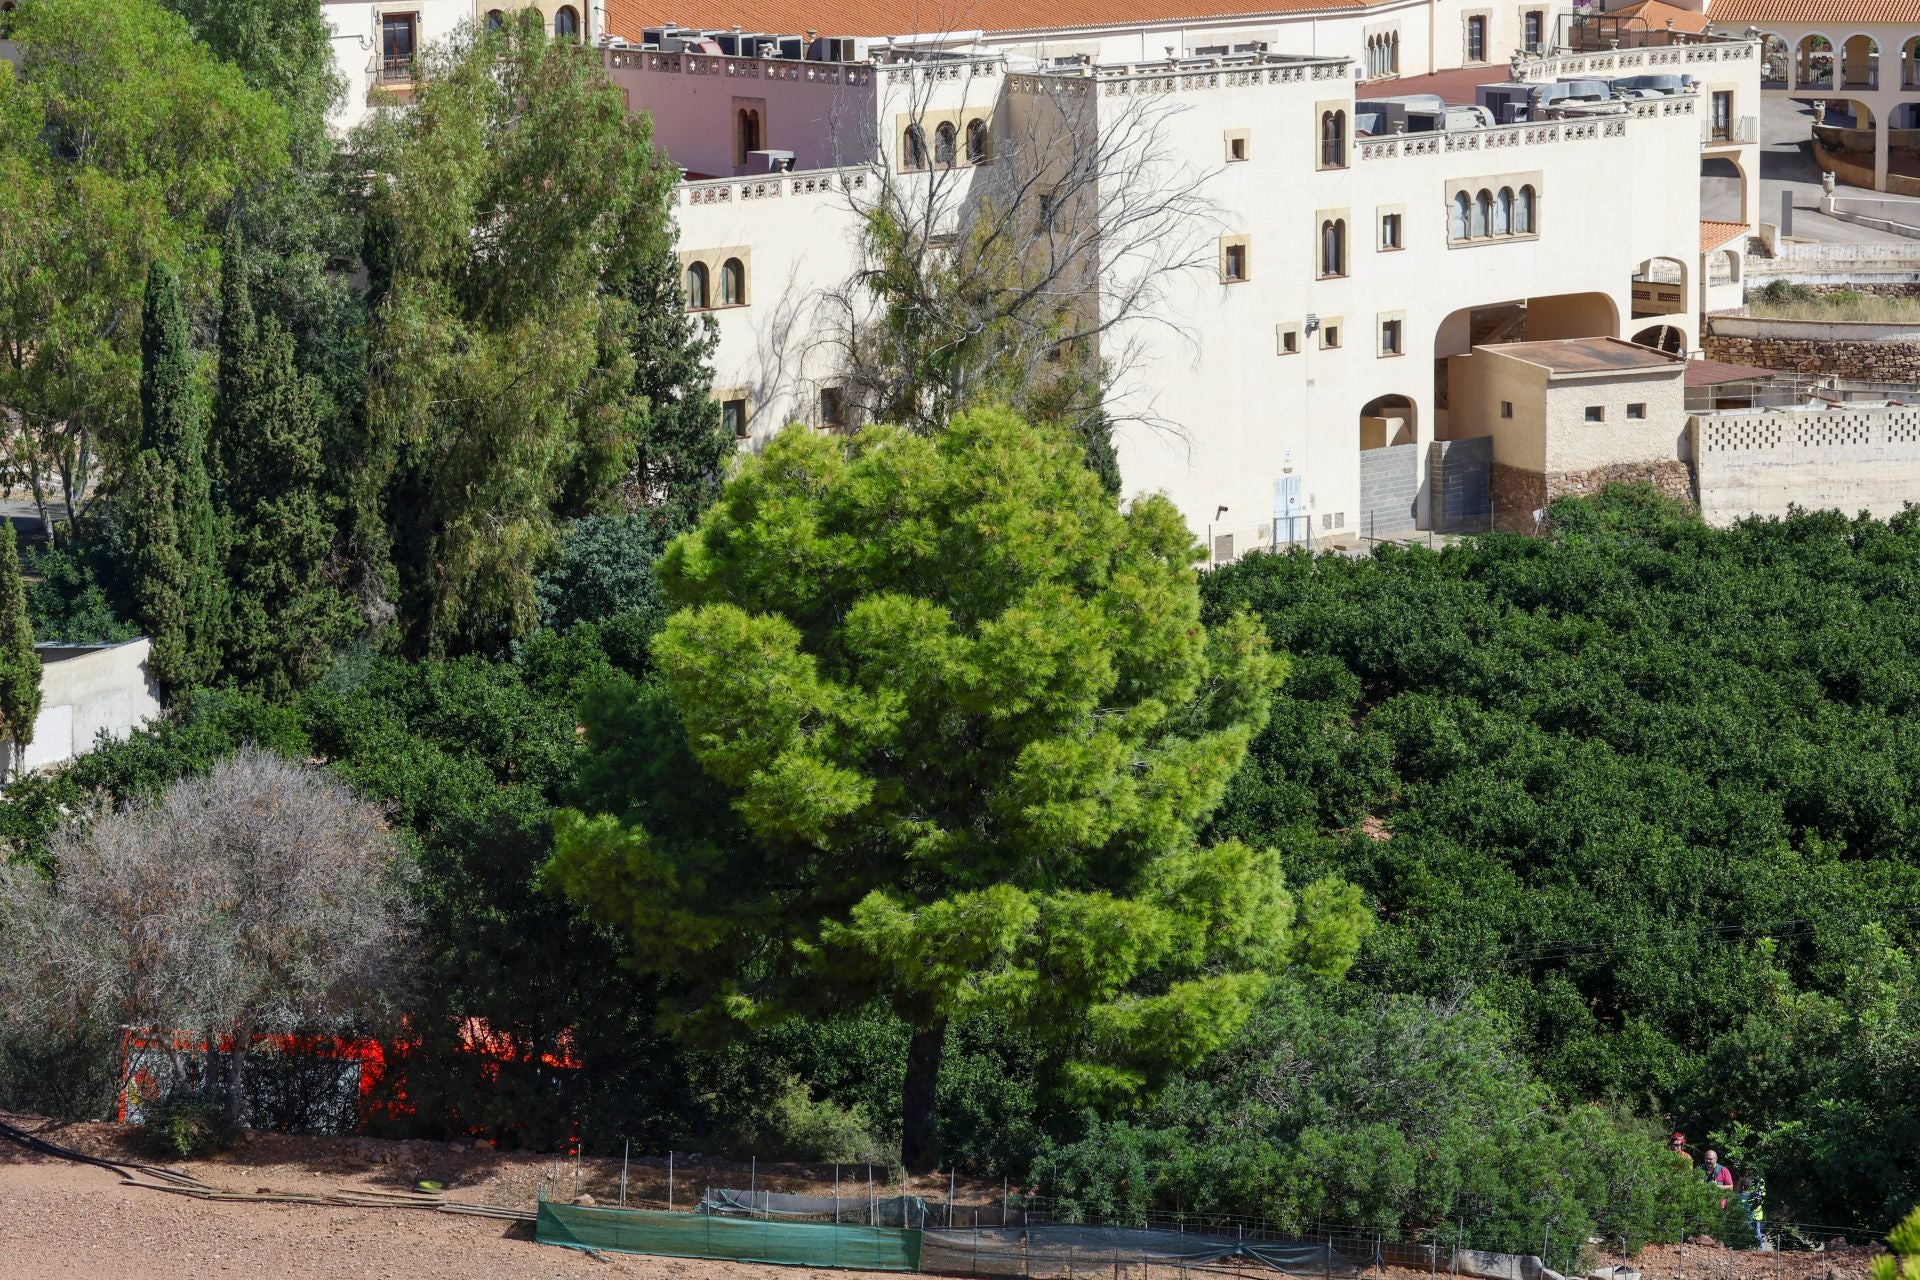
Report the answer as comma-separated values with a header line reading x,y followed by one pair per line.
x,y
1313,323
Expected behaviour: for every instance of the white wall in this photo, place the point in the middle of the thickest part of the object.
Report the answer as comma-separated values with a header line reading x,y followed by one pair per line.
x,y
85,692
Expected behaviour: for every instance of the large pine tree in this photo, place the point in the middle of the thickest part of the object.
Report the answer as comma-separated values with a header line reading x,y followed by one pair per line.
x,y
166,505
19,664
266,459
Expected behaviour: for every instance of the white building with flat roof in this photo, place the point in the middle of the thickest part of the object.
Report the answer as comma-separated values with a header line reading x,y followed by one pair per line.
x,y
1392,186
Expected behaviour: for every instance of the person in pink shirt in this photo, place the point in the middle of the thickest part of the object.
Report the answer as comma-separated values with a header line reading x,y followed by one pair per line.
x,y
1717,1173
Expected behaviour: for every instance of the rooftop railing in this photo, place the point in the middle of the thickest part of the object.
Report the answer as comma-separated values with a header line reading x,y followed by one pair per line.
x,y
1539,133
1701,50
772,186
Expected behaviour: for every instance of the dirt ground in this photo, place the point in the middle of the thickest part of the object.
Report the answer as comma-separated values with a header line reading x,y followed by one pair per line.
x,y
66,1221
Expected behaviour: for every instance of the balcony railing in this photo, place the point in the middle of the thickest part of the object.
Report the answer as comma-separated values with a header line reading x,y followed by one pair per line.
x,y
395,70
1735,132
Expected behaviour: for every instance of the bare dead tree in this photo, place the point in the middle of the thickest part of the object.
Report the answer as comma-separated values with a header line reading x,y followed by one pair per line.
x,y
261,898
1021,248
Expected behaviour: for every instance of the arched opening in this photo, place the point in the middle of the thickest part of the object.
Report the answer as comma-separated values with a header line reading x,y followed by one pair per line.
x,y
1723,189
1660,288
747,134
916,147
495,19
733,283
1389,469
1526,212
1663,337
1845,137
1910,63
566,23
1386,421
1860,63
1333,247
697,287
1723,267
976,142
1333,139
1813,63
1462,221
1776,63
1483,214
1503,212
946,145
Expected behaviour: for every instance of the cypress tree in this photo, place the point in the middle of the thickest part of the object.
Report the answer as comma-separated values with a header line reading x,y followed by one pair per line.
x,y
19,664
166,503
268,474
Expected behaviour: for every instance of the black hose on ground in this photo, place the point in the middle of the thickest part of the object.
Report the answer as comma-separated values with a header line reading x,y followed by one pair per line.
x,y
33,1142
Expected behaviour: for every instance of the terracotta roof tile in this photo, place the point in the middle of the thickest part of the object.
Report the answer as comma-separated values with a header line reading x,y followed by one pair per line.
x,y
1715,234
1736,13
1658,14
625,18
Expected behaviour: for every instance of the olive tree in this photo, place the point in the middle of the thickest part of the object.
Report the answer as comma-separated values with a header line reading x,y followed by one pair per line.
x,y
261,898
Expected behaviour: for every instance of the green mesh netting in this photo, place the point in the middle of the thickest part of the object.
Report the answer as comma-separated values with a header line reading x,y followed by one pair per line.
x,y
684,1235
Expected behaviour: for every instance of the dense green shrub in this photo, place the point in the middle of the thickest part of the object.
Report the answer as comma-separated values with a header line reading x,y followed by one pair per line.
x,y
1654,788
185,1127
1394,1114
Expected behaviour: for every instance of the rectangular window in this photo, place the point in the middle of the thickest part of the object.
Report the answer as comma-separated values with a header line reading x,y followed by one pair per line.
x,y
1476,39
1289,342
1049,211
1636,411
1390,231
1722,116
832,410
1329,337
1534,28
1235,268
1506,408
397,32
1390,337
1237,148
1596,413
733,418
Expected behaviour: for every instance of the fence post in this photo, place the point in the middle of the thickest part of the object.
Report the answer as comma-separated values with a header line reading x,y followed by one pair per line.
x,y
626,1156
836,1193
1003,1201
669,1179
753,1182
953,1172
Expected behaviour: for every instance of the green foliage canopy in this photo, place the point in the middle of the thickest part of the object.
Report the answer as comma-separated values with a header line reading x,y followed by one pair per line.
x,y
516,202
967,720
120,138
1651,786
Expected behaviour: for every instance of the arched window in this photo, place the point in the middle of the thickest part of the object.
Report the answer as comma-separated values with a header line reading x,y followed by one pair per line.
x,y
1483,213
1396,53
748,141
1523,215
1476,39
566,23
733,283
916,150
976,142
1462,216
495,19
697,287
1503,211
945,145
1333,247
1333,139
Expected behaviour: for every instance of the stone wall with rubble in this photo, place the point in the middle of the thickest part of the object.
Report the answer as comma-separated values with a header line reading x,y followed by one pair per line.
x,y
1854,361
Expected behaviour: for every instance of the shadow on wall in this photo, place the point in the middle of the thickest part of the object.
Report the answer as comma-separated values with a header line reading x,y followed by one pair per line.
x,y
86,691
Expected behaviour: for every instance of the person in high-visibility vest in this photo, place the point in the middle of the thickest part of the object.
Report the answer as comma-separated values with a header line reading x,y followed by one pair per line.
x,y
1753,1195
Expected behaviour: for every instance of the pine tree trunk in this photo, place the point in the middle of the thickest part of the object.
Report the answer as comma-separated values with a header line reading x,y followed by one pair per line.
x,y
919,1143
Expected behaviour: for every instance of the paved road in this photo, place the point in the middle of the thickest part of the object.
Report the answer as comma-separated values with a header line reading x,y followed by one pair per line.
x,y
1787,165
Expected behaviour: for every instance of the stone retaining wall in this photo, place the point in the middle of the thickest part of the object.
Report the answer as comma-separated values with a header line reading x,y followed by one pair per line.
x,y
1517,494
1854,361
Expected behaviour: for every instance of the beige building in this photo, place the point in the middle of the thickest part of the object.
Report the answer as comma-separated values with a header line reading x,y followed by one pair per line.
x,y
1572,415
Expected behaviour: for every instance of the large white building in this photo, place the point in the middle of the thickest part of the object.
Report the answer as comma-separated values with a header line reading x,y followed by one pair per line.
x,y
1296,384
377,44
